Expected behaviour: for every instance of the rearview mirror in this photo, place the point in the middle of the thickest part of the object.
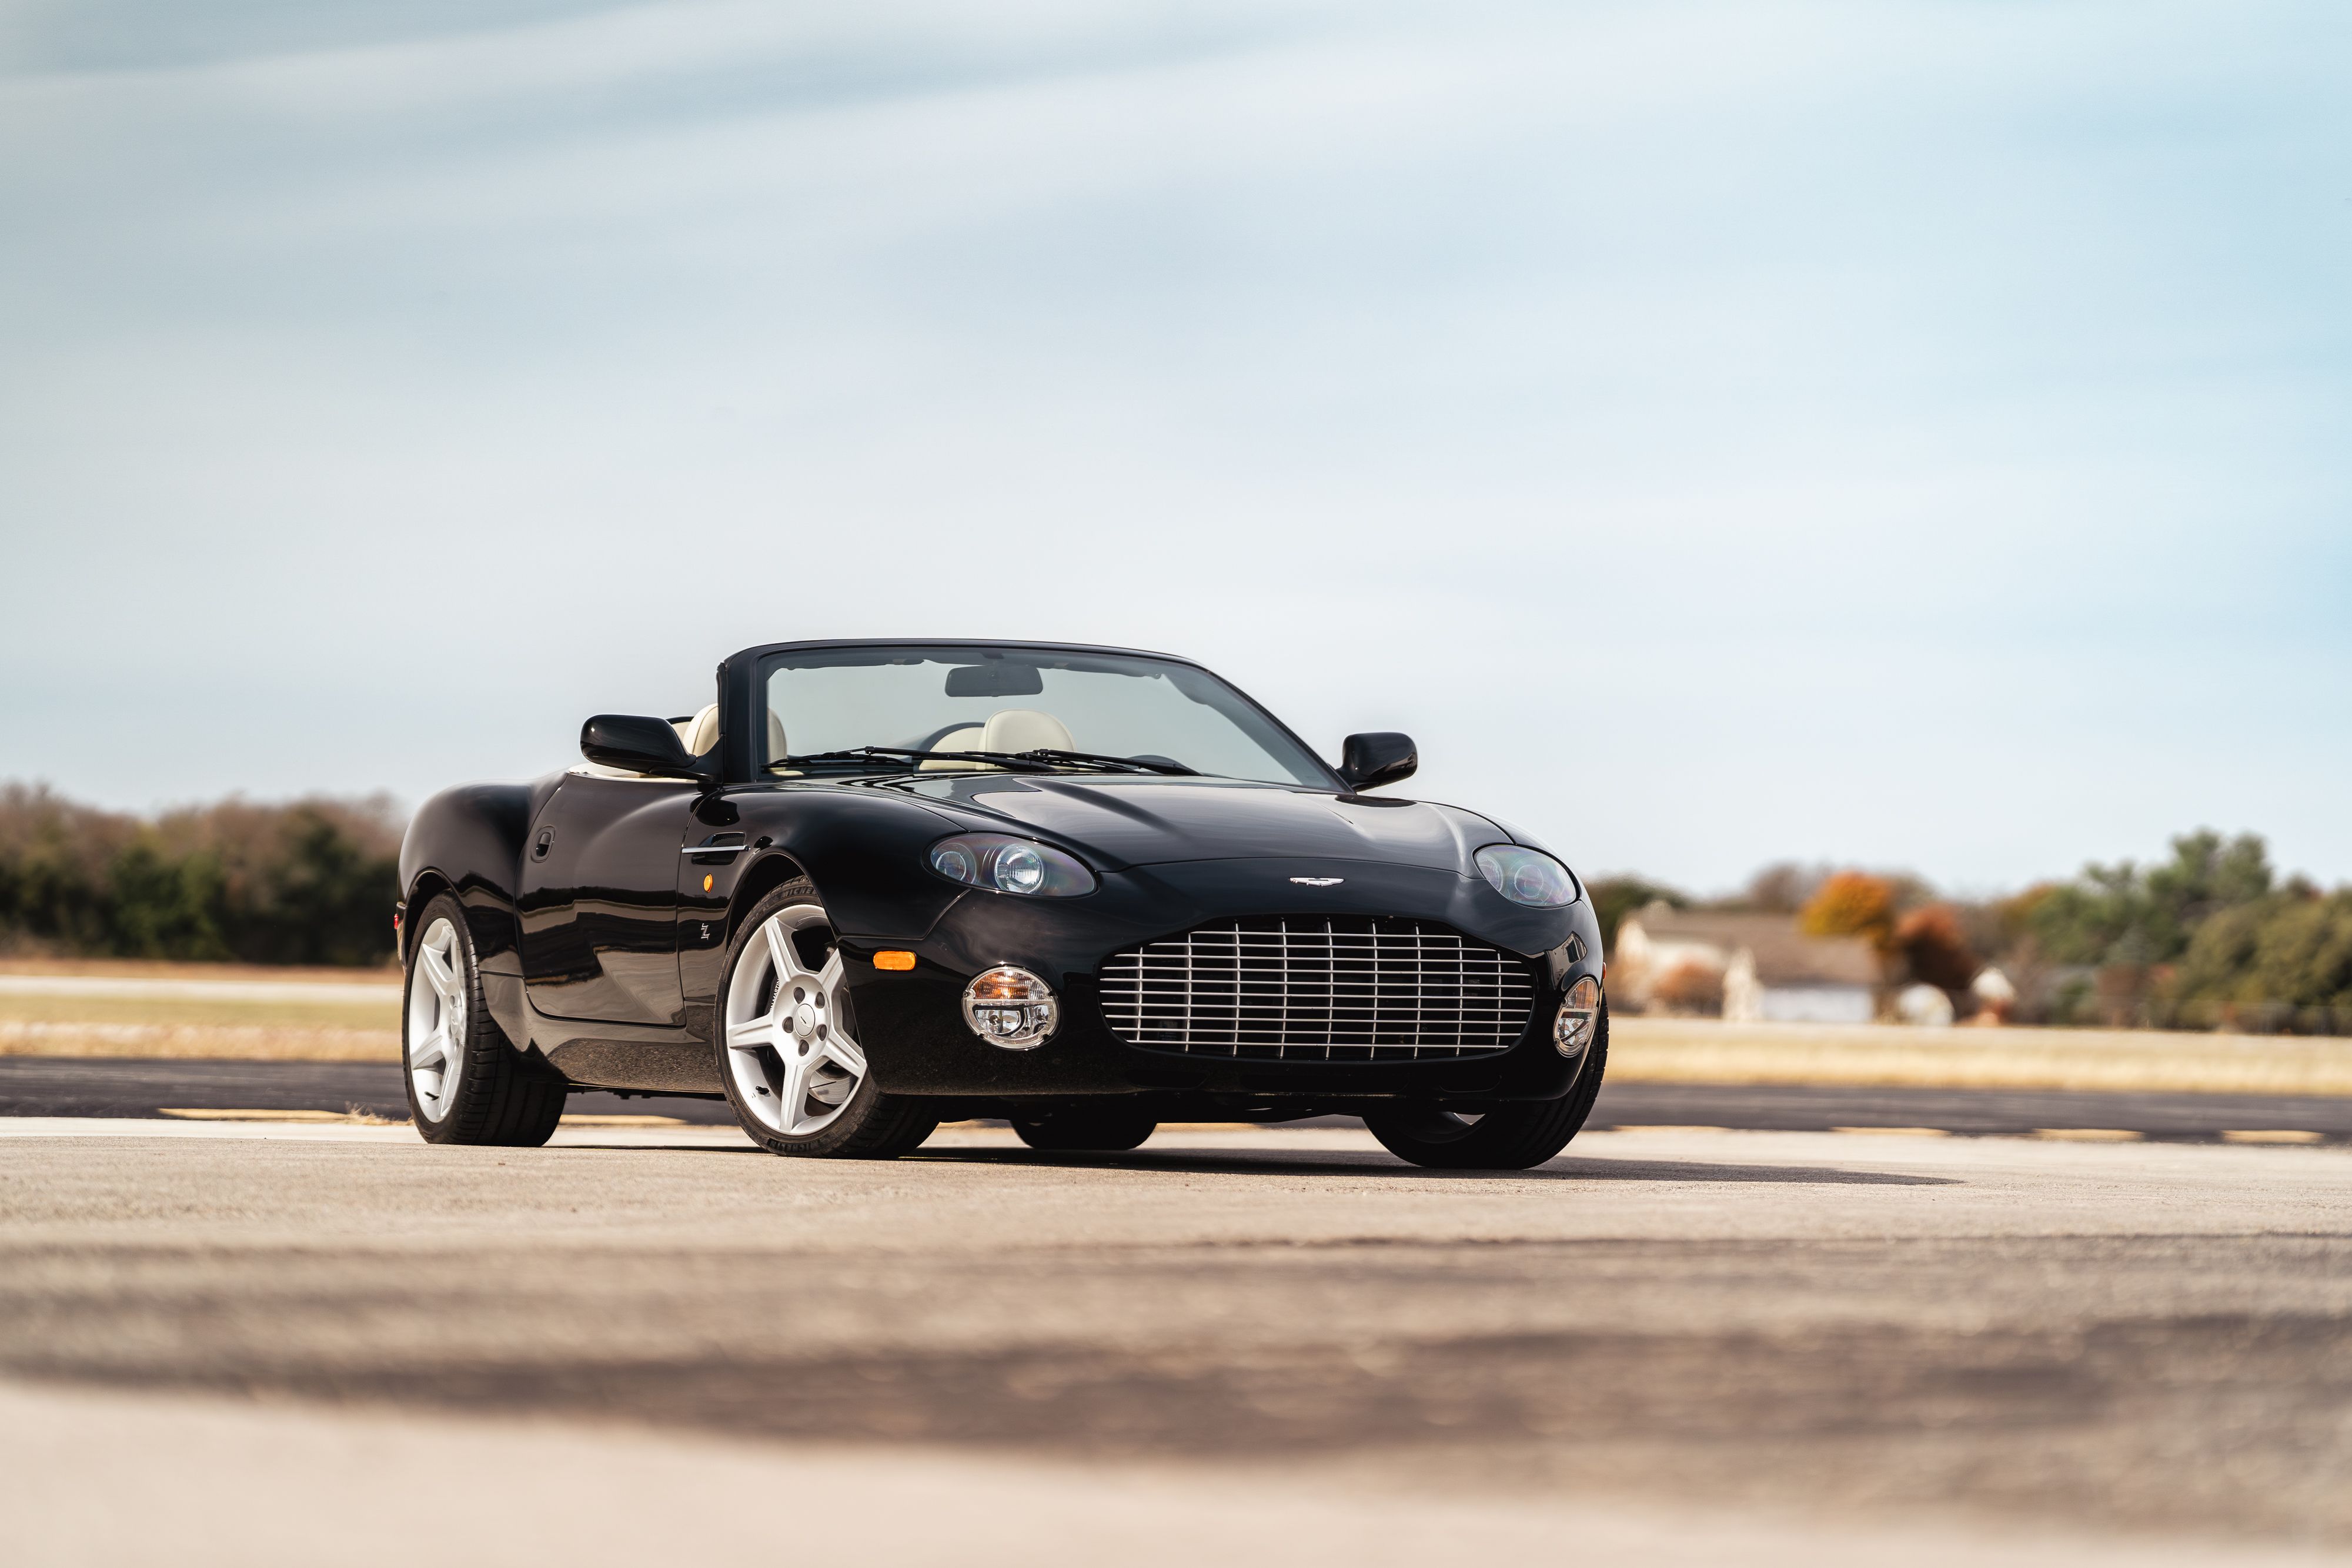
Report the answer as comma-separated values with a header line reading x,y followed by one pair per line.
x,y
1383,757
637,745
996,678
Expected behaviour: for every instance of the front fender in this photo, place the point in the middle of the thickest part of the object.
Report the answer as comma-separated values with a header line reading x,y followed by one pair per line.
x,y
470,840
863,850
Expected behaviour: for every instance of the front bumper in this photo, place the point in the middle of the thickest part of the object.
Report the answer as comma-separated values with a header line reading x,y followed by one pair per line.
x,y
917,1042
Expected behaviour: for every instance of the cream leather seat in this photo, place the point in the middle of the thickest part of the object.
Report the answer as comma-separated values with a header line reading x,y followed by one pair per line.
x,y
1024,729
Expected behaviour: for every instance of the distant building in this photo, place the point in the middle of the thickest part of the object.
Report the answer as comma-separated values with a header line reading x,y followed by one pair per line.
x,y
1750,968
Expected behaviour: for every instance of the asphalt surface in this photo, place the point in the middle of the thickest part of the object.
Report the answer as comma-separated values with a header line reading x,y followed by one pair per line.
x,y
65,1086
2141,1343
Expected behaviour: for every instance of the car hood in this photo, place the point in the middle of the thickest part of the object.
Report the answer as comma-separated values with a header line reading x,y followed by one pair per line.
x,y
1124,820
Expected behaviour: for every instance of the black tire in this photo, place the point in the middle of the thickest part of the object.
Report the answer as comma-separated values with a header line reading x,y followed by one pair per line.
x,y
872,1126
1511,1137
503,1099
1085,1129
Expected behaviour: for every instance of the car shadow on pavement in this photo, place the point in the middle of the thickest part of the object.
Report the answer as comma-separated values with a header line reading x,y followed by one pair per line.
x,y
1208,1162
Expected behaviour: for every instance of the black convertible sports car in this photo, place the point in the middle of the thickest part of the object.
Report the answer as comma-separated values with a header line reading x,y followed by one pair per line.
x,y
877,885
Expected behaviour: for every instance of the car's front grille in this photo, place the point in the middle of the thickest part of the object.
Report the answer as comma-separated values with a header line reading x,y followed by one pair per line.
x,y
1347,988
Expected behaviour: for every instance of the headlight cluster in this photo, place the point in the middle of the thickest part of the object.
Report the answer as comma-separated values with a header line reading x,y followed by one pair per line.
x,y
1527,877
1580,1014
1010,1008
1001,864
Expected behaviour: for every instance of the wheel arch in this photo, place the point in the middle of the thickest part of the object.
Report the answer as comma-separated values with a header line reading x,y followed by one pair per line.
x,y
427,885
768,872
468,842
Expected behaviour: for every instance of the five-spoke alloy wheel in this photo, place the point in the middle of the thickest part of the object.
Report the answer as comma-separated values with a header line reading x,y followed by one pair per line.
x,y
788,1054
436,1020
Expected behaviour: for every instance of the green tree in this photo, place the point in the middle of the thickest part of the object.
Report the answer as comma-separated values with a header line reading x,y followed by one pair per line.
x,y
309,883
162,907
2291,948
2124,914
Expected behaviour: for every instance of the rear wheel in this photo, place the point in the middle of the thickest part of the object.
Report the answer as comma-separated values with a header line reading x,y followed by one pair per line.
x,y
1085,1129
467,1083
1513,1137
789,1053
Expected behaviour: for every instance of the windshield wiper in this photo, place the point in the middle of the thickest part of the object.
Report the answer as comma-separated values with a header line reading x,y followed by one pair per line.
x,y
1095,758
1042,759
1004,760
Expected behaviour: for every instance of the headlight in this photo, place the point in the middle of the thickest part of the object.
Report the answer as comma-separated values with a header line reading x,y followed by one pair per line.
x,y
1580,1013
1004,864
1527,877
1010,1008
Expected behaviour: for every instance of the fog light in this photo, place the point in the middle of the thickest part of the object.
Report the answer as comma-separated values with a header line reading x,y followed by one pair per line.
x,y
1580,1014
1010,1008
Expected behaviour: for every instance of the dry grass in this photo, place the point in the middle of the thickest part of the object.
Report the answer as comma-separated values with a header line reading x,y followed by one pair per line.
x,y
241,1042
1699,1051
366,1027
1657,1050
365,1011
161,970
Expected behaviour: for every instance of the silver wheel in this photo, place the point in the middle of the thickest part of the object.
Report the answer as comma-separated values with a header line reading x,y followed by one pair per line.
x,y
789,1048
436,1018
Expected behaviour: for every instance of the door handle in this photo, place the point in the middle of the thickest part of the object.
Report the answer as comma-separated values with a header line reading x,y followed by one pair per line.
x,y
540,846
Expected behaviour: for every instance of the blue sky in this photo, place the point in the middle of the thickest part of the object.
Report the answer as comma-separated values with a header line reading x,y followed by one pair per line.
x,y
1912,435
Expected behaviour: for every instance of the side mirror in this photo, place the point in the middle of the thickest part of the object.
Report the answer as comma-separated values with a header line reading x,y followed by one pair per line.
x,y
637,745
1369,761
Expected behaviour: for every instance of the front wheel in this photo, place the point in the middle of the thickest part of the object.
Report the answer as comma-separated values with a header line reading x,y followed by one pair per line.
x,y
789,1053
1512,1137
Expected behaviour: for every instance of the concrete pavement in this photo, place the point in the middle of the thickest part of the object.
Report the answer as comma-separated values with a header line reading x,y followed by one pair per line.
x,y
1802,1337
85,1086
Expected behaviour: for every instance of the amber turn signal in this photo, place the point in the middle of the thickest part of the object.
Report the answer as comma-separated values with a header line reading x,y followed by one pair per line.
x,y
893,960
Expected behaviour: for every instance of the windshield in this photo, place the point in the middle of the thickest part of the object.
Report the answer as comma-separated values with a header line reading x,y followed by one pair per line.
x,y
1167,717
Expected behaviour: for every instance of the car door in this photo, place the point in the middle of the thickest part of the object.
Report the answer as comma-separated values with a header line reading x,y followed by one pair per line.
x,y
599,895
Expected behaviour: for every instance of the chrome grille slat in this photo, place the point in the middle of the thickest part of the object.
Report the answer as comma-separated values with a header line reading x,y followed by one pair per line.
x,y
1343,989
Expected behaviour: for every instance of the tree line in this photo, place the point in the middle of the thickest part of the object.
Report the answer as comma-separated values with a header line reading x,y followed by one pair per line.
x,y
307,882
2209,935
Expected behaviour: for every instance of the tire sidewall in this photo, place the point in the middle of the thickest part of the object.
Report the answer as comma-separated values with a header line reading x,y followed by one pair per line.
x,y
442,906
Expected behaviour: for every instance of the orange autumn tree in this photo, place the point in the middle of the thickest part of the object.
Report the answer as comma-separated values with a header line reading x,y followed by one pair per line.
x,y
1852,903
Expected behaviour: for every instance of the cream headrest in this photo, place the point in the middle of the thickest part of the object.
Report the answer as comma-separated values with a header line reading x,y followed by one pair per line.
x,y
1024,729
700,733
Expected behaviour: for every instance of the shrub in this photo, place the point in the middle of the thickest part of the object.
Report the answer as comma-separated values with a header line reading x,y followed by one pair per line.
x,y
1933,949
1688,987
